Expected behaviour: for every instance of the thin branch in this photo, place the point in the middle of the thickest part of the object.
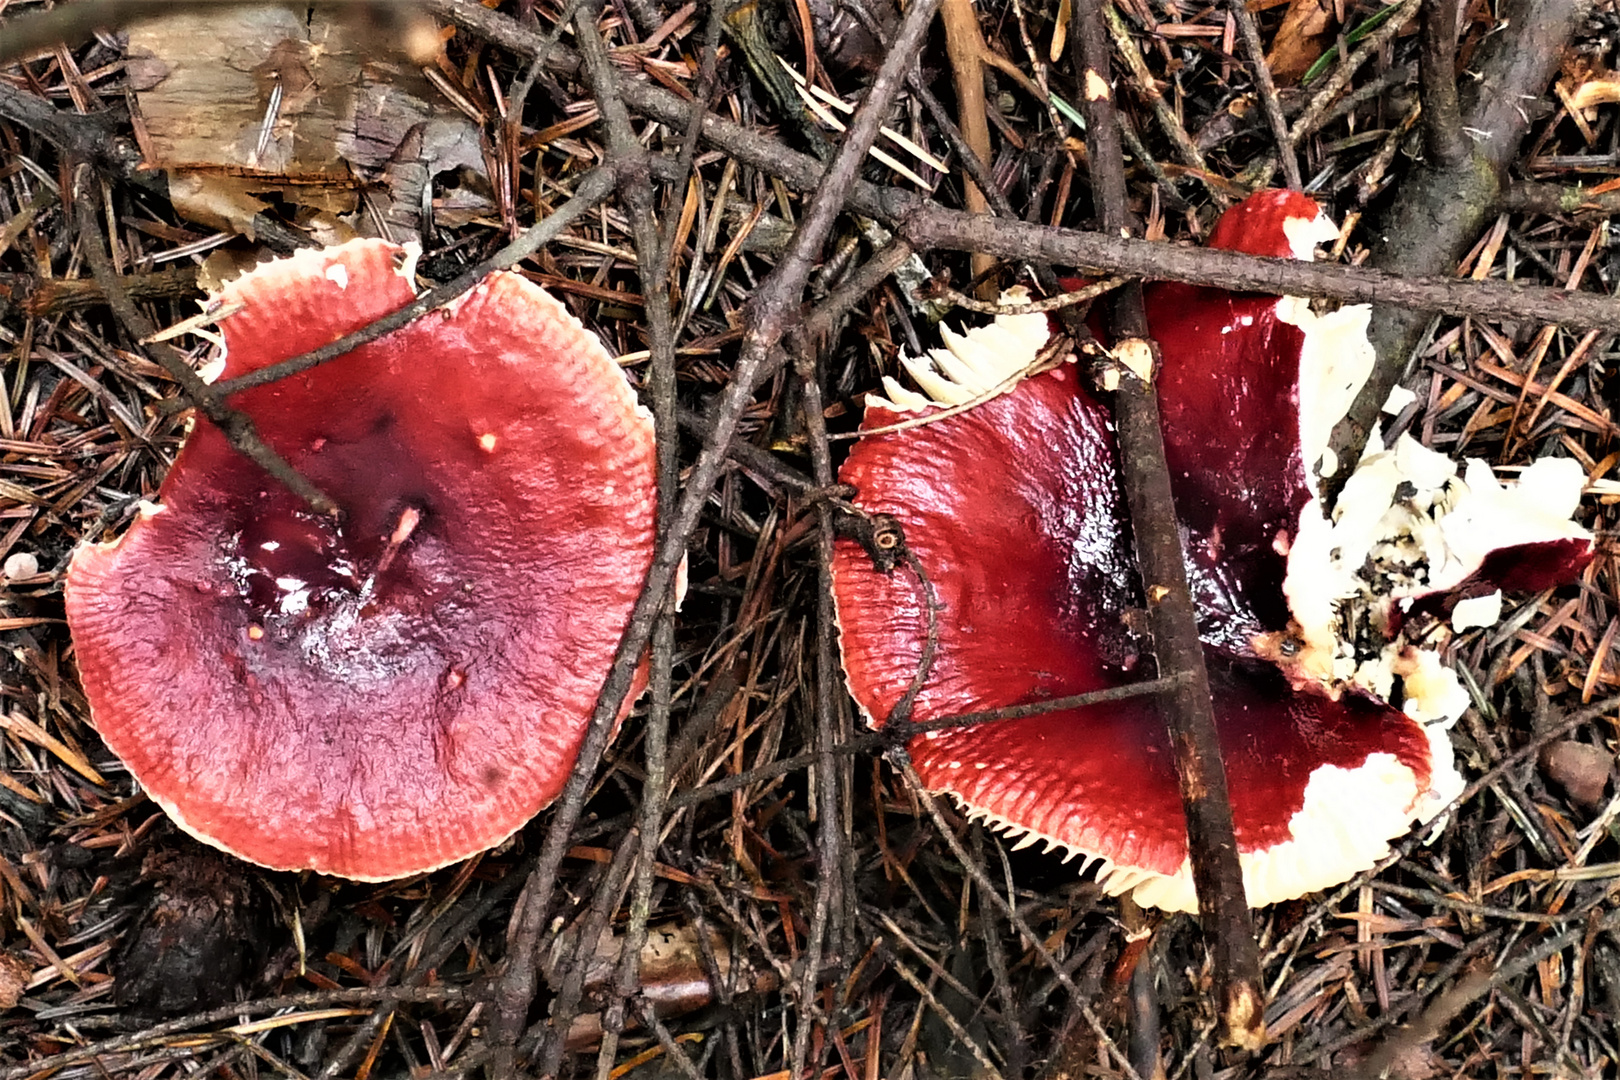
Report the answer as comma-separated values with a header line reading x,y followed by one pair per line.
x,y
928,226
95,138
899,732
775,305
829,682
779,294
964,46
1097,253
628,164
237,427
1269,103
977,168
654,262
1187,713
1536,197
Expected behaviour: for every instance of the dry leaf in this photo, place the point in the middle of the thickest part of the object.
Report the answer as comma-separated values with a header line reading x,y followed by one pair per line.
x,y
1300,40
14,975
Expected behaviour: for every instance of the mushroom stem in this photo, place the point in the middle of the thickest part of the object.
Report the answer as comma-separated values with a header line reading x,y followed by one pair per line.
x,y
409,519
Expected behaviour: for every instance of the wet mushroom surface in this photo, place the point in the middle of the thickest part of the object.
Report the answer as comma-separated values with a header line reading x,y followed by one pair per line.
x,y
391,690
1014,513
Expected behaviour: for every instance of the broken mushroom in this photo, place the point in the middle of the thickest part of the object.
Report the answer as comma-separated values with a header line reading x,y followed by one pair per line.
x,y
399,688
1014,514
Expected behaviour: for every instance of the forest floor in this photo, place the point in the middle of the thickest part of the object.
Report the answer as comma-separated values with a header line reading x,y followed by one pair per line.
x,y
807,910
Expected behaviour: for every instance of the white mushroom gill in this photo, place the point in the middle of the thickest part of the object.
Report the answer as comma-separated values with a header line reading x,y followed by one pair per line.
x,y
972,366
1344,826
1407,525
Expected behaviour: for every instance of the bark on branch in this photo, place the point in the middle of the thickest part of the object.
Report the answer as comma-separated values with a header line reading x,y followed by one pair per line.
x,y
1441,208
1187,713
927,225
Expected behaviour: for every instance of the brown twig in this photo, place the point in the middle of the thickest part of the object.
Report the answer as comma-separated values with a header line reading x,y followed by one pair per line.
x,y
568,983
672,1049
96,138
901,731
1535,197
1139,151
771,310
55,296
1187,712
1142,1003
776,304
833,884
1269,103
929,226
237,427
654,260
976,167
516,986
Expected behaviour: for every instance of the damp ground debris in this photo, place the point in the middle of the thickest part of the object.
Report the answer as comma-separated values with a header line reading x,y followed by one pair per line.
x,y
699,185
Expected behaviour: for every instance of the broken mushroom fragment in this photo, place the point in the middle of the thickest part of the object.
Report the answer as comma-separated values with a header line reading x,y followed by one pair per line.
x,y
1013,511
400,688
1412,540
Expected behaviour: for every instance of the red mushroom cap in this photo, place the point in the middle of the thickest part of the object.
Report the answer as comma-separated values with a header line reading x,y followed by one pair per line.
x,y
390,693
1013,510
1280,223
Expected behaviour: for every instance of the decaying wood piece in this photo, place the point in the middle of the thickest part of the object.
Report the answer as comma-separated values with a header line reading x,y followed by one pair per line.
x,y
257,102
